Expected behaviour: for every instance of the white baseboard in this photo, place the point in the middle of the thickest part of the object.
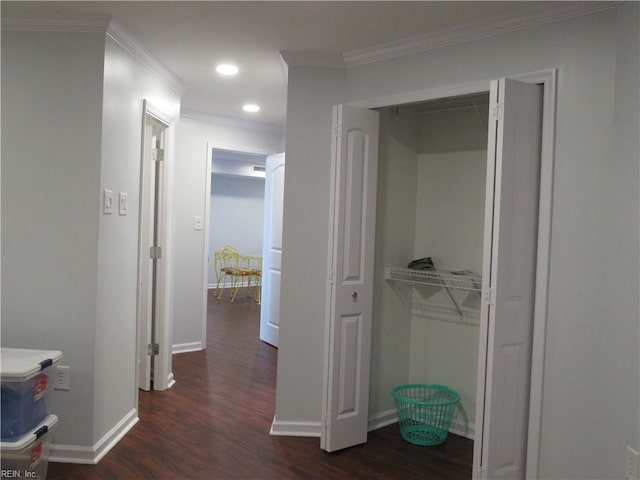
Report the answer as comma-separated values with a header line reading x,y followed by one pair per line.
x,y
92,455
187,347
379,420
171,381
462,429
390,417
382,419
295,429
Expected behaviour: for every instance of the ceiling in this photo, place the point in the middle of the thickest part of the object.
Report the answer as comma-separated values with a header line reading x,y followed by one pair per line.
x,y
190,38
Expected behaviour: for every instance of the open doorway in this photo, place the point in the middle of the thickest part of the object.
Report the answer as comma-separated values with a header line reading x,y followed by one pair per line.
x,y
244,211
153,326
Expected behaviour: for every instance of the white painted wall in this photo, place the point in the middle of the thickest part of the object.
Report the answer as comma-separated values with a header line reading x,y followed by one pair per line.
x,y
593,328
311,94
51,149
189,199
237,213
395,240
72,117
449,228
116,306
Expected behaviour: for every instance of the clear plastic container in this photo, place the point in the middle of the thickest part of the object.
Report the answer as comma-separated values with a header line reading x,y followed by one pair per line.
x,y
28,457
26,393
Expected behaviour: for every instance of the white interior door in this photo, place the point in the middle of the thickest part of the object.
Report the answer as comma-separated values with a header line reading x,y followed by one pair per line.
x,y
350,292
154,342
509,273
272,249
145,263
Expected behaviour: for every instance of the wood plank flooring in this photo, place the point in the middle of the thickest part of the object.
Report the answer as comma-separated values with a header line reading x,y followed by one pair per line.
x,y
214,424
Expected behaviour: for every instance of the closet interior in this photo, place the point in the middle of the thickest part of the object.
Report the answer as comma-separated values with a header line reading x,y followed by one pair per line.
x,y
430,203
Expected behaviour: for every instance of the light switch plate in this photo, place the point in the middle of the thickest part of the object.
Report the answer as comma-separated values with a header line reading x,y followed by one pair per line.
x,y
197,223
123,203
107,201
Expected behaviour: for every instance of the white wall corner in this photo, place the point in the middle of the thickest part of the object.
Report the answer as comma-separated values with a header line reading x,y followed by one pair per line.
x,y
92,455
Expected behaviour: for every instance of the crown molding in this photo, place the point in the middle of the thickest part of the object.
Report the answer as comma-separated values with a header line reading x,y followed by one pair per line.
x,y
230,121
538,14
120,35
312,59
103,24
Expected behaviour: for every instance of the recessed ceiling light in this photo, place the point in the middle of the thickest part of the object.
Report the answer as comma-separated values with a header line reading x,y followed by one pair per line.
x,y
251,108
227,69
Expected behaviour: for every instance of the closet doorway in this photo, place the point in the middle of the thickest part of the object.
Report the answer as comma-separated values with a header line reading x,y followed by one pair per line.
x,y
514,260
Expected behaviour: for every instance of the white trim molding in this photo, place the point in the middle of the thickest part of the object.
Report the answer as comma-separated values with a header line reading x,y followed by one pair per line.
x,y
295,429
312,59
120,35
539,13
187,347
92,455
383,419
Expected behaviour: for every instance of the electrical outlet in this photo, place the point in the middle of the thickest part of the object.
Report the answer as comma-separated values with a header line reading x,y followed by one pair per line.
x,y
63,378
631,467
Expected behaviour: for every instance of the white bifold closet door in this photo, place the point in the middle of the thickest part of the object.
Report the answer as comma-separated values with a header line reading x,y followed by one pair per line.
x,y
350,294
509,262
509,279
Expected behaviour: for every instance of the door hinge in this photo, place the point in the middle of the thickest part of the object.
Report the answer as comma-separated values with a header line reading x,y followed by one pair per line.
x,y
336,130
157,155
153,349
155,252
331,276
497,112
489,296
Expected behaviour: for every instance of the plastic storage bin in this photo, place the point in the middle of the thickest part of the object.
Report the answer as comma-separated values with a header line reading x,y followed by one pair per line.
x,y
425,412
27,389
28,457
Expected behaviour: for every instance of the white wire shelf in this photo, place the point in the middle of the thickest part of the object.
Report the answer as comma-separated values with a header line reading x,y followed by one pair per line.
x,y
461,280
450,281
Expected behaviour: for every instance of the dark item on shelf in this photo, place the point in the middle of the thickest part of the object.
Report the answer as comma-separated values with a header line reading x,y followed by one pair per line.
x,y
421,264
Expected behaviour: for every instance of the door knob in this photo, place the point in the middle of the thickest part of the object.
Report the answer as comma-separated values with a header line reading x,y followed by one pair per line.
x,y
354,295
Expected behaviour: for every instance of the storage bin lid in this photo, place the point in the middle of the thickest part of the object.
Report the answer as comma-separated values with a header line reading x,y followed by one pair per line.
x,y
31,437
19,364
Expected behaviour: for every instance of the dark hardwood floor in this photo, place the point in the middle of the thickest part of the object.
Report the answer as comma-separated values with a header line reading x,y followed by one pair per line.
x,y
214,424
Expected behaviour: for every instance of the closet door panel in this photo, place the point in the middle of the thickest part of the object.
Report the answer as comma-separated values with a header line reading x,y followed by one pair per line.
x,y
350,264
514,150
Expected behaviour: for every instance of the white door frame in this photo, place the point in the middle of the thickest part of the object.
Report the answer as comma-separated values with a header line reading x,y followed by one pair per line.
x,y
163,375
547,78
214,145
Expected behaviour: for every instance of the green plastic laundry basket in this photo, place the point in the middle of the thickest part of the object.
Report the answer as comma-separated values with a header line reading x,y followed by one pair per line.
x,y
425,412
